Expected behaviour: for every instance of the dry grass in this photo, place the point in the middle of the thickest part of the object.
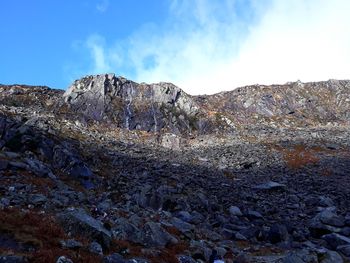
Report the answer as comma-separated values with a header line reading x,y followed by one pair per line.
x,y
41,233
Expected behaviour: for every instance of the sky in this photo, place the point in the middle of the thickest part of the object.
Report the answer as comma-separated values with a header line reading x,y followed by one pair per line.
x,y
202,46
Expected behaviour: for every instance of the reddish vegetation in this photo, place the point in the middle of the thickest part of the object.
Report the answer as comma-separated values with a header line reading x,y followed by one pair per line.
x,y
41,233
300,156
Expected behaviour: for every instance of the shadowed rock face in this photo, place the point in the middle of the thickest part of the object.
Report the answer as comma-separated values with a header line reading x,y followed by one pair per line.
x,y
127,104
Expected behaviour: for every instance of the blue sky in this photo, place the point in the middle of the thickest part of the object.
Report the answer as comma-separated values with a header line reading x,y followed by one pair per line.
x,y
203,46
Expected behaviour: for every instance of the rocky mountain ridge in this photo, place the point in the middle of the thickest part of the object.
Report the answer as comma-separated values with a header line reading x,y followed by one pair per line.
x,y
165,107
115,171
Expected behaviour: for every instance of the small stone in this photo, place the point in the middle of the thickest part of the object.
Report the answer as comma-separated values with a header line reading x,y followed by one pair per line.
x,y
269,186
239,236
63,259
235,211
71,244
4,201
37,199
96,248
185,216
186,259
254,214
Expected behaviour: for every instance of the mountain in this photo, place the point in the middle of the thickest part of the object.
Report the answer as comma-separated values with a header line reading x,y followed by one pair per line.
x,y
111,170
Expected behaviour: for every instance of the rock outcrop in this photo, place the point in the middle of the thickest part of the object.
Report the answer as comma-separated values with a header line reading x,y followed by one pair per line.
x,y
130,105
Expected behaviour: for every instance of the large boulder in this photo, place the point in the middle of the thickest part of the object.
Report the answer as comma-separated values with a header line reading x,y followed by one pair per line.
x,y
78,222
154,235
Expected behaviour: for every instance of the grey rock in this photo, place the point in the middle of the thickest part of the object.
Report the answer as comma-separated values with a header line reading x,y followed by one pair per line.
x,y
4,201
113,258
96,248
137,260
334,240
331,257
185,216
38,167
3,164
71,244
18,165
270,186
186,259
326,222
345,231
37,199
330,218
181,225
344,249
235,211
325,201
278,233
13,259
254,214
107,97
125,230
251,232
154,235
78,222
301,256
63,259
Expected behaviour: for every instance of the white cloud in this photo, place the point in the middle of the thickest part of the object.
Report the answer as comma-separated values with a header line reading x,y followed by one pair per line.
x,y
102,6
95,44
208,46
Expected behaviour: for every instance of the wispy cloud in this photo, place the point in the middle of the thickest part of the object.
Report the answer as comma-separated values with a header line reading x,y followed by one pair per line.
x,y
95,45
207,46
102,5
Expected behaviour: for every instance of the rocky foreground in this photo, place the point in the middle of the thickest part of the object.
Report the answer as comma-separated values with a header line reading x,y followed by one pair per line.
x,y
116,171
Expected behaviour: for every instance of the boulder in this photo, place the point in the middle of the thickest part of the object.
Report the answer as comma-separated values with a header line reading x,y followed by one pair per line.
x,y
334,240
301,256
78,222
332,257
153,235
278,233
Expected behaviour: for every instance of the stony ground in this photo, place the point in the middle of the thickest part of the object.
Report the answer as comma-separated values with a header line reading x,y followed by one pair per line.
x,y
89,192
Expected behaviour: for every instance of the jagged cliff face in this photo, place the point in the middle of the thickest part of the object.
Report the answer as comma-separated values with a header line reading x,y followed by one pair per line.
x,y
165,107
153,108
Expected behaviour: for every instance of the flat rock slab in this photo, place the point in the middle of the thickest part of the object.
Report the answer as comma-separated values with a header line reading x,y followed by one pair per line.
x,y
269,186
